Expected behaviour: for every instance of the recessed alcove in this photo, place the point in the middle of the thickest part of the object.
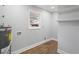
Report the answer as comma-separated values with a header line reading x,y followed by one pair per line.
x,y
68,35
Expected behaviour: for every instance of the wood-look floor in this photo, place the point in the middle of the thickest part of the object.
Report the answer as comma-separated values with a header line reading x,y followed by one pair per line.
x,y
49,47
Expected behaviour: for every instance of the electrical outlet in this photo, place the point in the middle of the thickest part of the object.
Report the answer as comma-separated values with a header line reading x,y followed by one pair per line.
x,y
18,33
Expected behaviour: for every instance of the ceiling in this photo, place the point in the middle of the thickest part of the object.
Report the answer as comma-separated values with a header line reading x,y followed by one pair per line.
x,y
58,8
48,7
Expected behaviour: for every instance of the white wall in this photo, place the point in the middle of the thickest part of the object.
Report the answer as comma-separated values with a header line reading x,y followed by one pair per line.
x,y
68,35
17,17
1,12
54,24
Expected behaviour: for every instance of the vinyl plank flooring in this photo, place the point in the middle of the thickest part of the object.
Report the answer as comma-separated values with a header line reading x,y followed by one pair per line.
x,y
49,47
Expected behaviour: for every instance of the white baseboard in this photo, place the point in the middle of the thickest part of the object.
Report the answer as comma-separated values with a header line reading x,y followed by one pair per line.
x,y
61,51
31,46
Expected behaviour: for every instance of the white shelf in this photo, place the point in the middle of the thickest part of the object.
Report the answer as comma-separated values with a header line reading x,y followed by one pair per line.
x,y
2,29
68,20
